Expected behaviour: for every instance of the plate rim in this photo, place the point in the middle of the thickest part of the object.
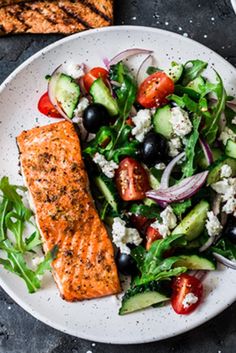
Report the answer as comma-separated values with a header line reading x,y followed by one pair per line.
x,y
8,79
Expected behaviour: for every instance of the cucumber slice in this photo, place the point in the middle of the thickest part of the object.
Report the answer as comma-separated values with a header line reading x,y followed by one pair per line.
x,y
193,223
196,83
67,93
107,189
140,301
202,162
215,171
175,71
195,262
101,94
161,122
230,149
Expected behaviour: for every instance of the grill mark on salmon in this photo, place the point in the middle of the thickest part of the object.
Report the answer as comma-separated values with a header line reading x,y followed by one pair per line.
x,y
64,16
96,10
57,181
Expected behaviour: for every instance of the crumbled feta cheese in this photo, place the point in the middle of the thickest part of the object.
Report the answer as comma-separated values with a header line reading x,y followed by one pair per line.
x,y
107,167
169,221
225,171
74,70
189,300
143,124
213,225
230,206
180,122
122,236
233,121
160,166
162,228
174,146
169,218
82,105
227,134
225,187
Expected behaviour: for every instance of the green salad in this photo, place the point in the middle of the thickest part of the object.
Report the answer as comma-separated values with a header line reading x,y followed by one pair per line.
x,y
159,145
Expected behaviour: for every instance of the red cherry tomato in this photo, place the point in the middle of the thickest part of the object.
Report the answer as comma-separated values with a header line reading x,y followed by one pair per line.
x,y
182,286
45,107
154,90
152,235
93,75
131,180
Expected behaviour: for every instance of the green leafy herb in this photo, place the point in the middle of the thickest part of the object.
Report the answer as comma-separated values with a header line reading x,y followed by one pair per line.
x,y
184,102
180,208
230,114
14,217
152,264
188,167
152,211
152,69
225,248
127,91
192,69
212,120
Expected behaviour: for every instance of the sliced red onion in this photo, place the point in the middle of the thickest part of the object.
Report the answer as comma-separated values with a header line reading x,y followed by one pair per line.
x,y
126,54
216,204
182,191
223,260
52,88
143,68
106,62
207,244
115,83
168,170
201,274
229,103
206,150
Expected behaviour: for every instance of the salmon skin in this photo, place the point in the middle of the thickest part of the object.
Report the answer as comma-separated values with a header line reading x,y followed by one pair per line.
x,y
55,175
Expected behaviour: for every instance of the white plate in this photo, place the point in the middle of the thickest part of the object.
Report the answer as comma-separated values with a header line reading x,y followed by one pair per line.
x,y
98,320
233,2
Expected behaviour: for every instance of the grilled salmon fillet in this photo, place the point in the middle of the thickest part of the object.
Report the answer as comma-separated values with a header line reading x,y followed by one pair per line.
x,y
57,181
63,16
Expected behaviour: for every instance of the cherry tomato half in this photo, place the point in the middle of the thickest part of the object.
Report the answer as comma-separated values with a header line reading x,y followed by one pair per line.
x,y
154,90
152,235
131,180
45,107
93,75
182,286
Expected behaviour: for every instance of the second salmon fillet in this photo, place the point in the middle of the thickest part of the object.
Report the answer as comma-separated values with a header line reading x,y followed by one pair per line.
x,y
57,181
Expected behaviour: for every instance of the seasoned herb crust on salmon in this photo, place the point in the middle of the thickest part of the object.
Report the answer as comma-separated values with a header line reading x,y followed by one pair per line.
x,y
57,181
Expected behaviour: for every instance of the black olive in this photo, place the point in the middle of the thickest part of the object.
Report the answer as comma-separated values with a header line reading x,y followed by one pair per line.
x,y
95,116
230,230
153,149
126,264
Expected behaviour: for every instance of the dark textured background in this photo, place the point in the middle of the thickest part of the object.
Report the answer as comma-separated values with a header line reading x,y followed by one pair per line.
x,y
210,22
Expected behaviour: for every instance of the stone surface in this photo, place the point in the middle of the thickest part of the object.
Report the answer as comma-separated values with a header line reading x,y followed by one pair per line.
x,y
212,23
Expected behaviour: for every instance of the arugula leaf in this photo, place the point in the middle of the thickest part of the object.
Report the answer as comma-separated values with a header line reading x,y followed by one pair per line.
x,y
230,114
45,265
212,122
188,167
181,90
152,211
180,207
126,93
192,69
225,248
152,69
184,102
13,219
152,264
